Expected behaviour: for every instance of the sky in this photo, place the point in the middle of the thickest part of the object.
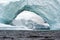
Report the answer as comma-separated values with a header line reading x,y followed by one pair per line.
x,y
27,15
30,16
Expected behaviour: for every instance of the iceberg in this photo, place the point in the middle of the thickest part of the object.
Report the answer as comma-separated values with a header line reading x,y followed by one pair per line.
x,y
49,10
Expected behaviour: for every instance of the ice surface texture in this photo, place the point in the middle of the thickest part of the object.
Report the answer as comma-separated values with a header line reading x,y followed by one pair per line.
x,y
30,24
49,10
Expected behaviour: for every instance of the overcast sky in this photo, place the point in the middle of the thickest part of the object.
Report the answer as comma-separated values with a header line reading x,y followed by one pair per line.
x,y
30,16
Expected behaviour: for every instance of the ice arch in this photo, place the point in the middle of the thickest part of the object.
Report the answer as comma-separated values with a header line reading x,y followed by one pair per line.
x,y
49,10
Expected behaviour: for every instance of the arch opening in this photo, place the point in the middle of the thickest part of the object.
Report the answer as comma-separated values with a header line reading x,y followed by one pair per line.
x,y
29,19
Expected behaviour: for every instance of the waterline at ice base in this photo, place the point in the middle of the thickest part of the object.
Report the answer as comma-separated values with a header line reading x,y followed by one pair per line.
x,y
29,15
